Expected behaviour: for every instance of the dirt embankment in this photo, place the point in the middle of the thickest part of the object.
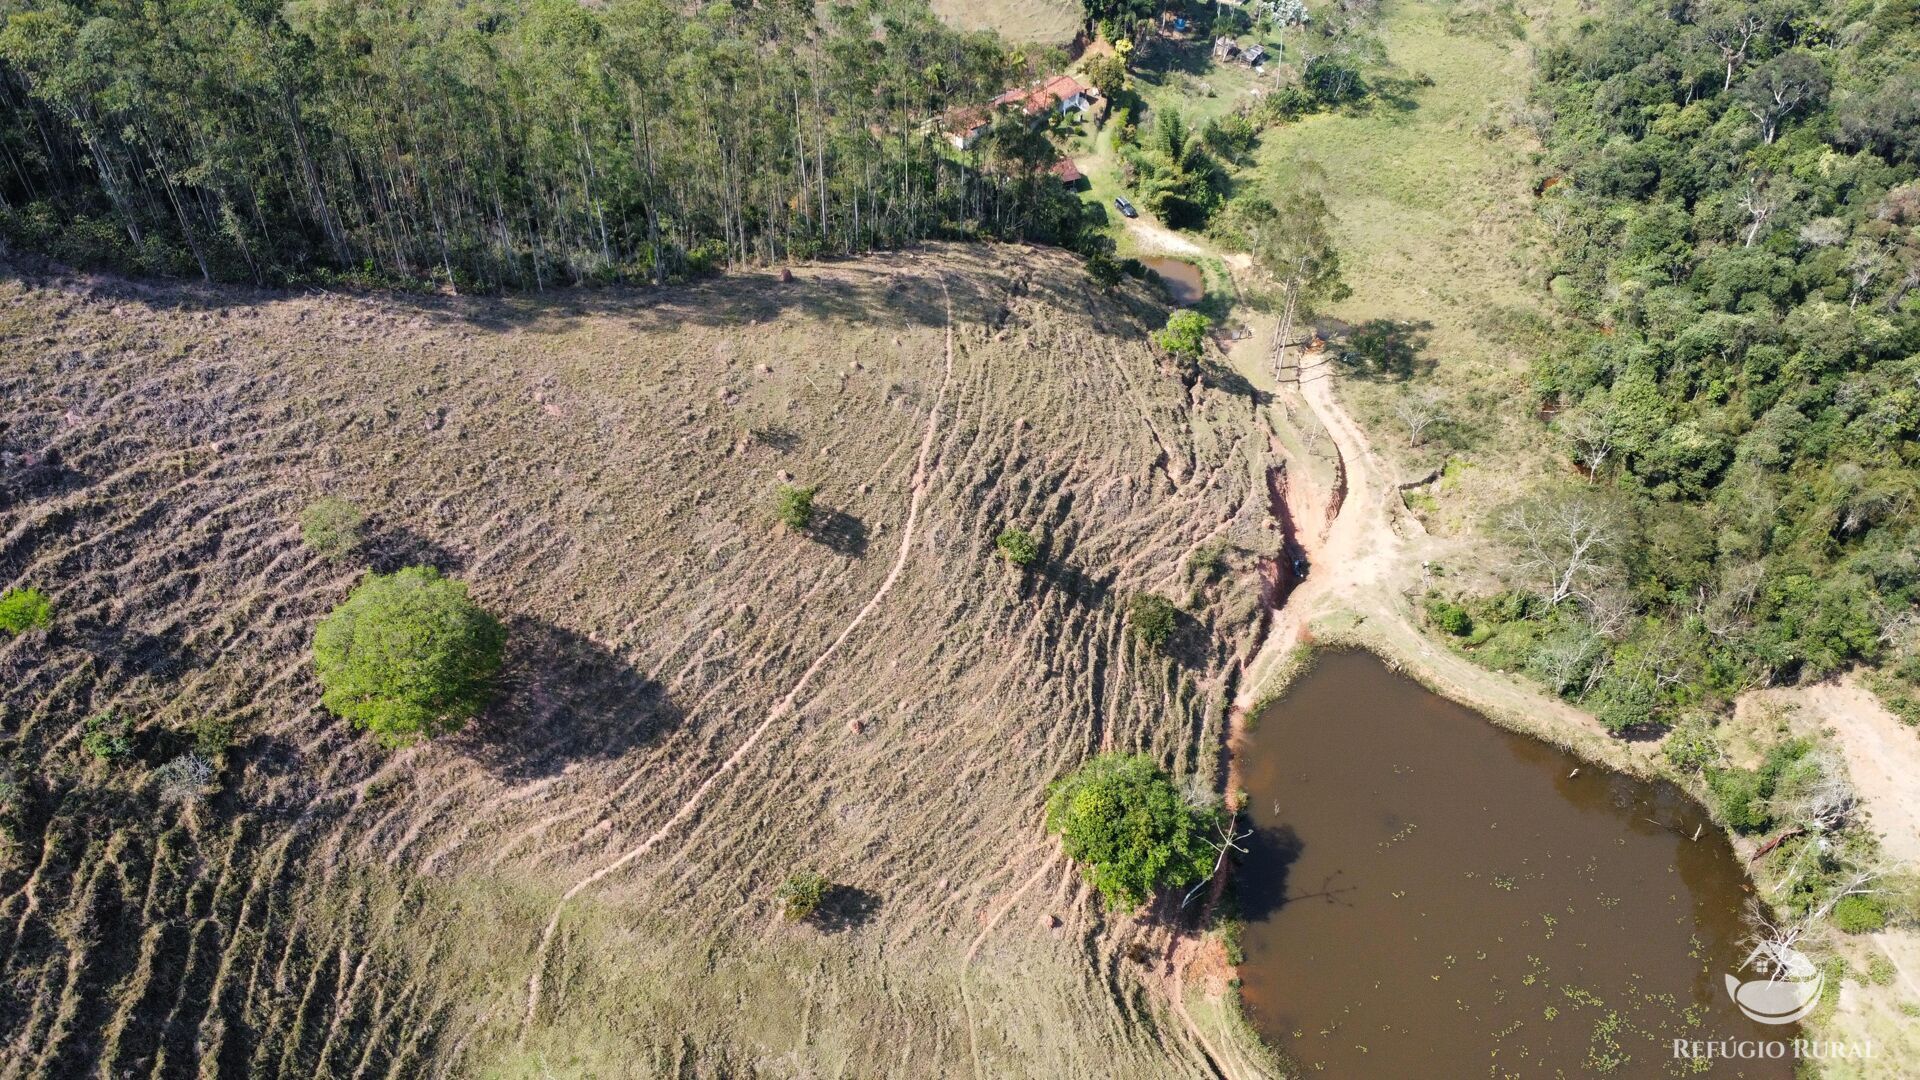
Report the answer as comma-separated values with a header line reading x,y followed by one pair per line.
x,y
698,702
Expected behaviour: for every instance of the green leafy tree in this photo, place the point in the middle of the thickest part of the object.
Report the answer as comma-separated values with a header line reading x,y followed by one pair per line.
x,y
1333,81
1120,20
1792,82
408,655
1105,272
793,505
1185,335
1290,238
24,609
1152,618
1123,821
332,526
1017,546
537,142
1449,616
1178,180
801,894
1108,74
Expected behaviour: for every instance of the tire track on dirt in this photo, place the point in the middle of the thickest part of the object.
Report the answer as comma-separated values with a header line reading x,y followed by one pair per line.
x,y
918,489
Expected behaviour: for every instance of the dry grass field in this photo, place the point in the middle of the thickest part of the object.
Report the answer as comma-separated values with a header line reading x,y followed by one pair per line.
x,y
1038,22
698,702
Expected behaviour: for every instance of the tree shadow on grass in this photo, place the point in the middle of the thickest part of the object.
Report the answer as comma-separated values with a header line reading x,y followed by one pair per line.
x,y
839,531
1220,377
162,657
1394,349
844,291
26,475
1056,572
1075,582
844,908
1169,55
1397,95
776,437
564,698
1190,643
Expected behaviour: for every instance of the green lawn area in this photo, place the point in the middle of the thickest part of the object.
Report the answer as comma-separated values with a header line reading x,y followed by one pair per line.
x,y
1434,202
1435,225
1434,212
1182,76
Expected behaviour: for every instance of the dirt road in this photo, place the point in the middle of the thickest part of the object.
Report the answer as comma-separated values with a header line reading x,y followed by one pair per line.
x,y
1367,558
1159,240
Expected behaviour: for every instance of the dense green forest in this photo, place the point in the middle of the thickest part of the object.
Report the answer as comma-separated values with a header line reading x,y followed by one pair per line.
x,y
1735,229
499,144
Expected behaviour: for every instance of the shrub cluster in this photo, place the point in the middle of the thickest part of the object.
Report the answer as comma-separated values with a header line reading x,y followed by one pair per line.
x,y
24,609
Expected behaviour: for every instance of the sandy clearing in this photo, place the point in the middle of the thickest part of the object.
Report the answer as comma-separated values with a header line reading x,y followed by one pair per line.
x,y
1882,754
1159,240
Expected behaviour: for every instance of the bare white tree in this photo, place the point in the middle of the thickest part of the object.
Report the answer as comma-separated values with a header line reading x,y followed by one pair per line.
x,y
1417,413
1828,800
187,778
1230,837
1732,32
1726,609
1591,430
1561,543
1780,86
1761,200
1823,232
1865,265
1665,658
1563,661
1610,610
1778,940
1863,502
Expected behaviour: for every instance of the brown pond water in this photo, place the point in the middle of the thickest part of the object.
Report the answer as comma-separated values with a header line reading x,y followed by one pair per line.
x,y
1183,279
1429,895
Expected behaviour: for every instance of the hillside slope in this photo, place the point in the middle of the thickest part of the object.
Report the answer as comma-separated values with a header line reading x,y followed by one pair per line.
x,y
698,701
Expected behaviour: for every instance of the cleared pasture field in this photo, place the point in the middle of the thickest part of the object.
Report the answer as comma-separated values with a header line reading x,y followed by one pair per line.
x,y
697,703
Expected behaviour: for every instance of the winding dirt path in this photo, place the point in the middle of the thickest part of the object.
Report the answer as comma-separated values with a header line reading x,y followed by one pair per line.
x,y
1366,559
785,707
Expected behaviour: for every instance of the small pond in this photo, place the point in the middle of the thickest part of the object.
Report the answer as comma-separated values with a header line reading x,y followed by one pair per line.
x,y
1183,279
1430,895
